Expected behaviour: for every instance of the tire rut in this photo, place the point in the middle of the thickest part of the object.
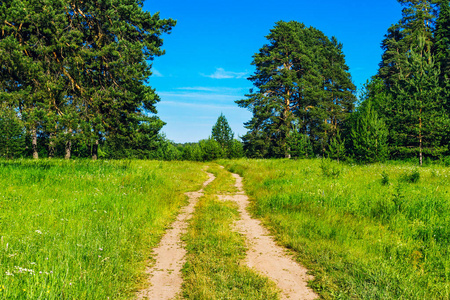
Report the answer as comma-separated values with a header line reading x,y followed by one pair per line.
x,y
166,278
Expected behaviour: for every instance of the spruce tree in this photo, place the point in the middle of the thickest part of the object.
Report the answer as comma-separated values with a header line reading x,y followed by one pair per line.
x,y
421,121
369,135
442,47
222,133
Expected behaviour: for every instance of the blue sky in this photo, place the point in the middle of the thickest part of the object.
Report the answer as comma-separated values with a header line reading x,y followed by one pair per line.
x,y
209,52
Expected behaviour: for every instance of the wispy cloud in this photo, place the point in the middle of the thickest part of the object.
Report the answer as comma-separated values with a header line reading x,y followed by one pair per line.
x,y
156,73
197,105
220,73
198,96
225,90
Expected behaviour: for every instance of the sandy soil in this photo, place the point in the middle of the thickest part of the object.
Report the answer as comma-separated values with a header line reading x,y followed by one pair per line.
x,y
266,256
165,282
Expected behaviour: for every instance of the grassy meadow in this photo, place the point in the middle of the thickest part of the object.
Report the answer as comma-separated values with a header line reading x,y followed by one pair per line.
x,y
379,231
82,229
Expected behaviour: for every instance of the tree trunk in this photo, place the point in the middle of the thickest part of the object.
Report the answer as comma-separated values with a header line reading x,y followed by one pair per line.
x,y
34,143
95,150
420,140
68,146
68,149
51,145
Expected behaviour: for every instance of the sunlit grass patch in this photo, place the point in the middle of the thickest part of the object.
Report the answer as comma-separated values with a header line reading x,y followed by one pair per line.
x,y
223,183
83,229
367,232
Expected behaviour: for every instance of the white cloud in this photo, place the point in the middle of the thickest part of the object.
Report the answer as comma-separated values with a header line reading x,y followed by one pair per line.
x,y
156,73
222,90
196,105
220,73
198,96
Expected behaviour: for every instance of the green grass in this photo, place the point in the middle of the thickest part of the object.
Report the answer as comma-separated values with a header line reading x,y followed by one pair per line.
x,y
83,229
215,267
379,231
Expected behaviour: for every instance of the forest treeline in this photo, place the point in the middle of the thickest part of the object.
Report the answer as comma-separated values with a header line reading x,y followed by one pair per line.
x,y
304,103
74,83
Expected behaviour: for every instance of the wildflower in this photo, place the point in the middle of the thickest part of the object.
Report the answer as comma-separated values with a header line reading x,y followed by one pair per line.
x,y
38,231
101,249
9,273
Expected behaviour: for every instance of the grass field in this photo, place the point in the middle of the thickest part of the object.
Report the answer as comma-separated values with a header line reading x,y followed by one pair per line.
x,y
366,232
83,229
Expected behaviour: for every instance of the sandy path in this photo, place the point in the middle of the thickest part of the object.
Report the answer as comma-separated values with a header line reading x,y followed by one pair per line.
x,y
165,282
266,256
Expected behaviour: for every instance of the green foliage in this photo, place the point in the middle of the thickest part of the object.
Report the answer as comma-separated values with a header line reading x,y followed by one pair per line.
x,y
411,177
236,149
12,133
301,82
368,135
336,147
210,149
300,145
385,178
421,120
415,81
77,71
329,168
222,133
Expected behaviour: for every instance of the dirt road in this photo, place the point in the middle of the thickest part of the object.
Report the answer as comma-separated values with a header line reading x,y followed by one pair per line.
x,y
263,254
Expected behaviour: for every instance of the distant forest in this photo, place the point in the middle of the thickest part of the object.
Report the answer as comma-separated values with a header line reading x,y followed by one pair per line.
x,y
73,83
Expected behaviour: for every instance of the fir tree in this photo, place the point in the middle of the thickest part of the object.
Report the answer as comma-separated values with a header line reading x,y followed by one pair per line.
x,y
222,133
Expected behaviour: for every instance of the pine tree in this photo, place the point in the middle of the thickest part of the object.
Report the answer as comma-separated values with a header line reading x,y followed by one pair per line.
x,y
78,70
301,82
222,133
417,20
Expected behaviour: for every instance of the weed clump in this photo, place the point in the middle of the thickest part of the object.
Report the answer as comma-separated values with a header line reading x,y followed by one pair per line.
x,y
330,169
384,178
411,177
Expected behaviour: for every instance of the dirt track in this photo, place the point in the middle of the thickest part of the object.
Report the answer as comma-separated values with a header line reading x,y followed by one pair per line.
x,y
165,282
266,256
263,254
